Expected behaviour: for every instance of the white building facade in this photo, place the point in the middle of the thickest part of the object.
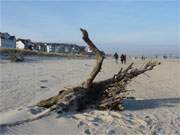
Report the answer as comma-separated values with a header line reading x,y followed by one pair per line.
x,y
7,41
20,44
24,44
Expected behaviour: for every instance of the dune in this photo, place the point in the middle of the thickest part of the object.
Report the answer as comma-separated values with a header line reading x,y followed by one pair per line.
x,y
156,109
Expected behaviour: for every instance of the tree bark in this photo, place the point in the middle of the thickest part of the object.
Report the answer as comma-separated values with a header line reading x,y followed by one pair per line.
x,y
99,57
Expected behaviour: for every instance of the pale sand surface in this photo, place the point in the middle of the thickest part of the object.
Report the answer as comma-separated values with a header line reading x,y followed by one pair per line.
x,y
156,110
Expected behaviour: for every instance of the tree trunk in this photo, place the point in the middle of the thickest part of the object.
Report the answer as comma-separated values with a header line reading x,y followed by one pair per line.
x,y
106,94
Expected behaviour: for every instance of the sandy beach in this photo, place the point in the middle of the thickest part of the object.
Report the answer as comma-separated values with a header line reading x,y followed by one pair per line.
x,y
155,111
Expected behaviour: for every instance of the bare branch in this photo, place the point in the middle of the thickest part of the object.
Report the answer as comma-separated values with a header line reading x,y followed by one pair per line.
x,y
99,57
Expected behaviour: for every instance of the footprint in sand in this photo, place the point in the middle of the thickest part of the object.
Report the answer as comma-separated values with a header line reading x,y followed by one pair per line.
x,y
97,120
81,124
154,125
85,127
43,87
44,81
111,132
87,131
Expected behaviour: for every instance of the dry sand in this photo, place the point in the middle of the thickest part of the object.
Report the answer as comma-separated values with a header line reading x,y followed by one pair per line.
x,y
156,110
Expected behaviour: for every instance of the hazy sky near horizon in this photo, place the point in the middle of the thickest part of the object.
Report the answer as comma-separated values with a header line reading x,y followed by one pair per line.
x,y
137,27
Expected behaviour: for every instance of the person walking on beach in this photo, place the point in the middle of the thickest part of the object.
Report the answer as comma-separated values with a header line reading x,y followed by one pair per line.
x,y
116,57
122,58
143,58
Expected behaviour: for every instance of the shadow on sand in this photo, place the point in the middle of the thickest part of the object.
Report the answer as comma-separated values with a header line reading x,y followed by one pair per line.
x,y
133,105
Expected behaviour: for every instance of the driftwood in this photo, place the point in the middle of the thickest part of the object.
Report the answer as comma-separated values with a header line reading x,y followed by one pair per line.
x,y
106,94
15,57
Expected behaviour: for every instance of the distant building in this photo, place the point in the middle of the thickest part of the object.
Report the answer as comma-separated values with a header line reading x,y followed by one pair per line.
x,y
7,41
24,44
48,47
58,47
40,46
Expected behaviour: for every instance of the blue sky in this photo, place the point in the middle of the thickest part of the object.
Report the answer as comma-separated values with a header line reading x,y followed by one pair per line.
x,y
134,27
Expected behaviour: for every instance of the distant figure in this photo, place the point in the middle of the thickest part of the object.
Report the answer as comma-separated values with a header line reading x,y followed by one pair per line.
x,y
165,57
142,58
124,58
116,57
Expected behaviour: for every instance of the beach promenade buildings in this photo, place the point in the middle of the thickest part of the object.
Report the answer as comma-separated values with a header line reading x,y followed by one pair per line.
x,y
65,48
7,41
24,44
40,46
58,47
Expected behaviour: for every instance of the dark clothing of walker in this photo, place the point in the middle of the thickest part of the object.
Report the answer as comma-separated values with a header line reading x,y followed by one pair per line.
x,y
123,59
116,57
